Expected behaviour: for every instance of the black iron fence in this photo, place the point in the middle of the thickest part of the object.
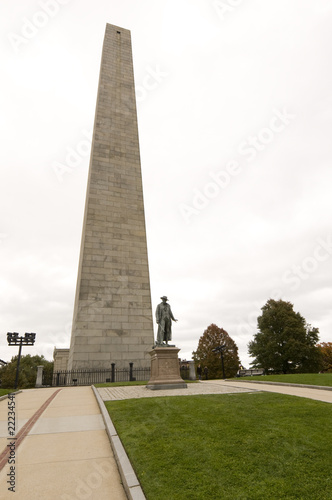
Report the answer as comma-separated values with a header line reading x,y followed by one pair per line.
x,y
47,378
184,372
100,376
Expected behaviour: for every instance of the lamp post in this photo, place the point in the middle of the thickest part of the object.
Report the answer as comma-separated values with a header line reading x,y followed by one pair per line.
x,y
14,339
221,350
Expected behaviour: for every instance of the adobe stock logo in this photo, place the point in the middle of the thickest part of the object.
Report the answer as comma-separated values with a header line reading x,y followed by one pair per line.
x,y
151,81
31,27
309,265
224,7
74,156
252,146
86,489
256,143
293,277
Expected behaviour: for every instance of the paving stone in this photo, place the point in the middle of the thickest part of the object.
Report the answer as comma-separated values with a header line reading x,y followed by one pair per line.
x,y
140,391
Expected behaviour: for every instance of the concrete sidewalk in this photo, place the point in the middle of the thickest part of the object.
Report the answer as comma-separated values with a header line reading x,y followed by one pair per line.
x,y
213,387
61,451
140,391
292,390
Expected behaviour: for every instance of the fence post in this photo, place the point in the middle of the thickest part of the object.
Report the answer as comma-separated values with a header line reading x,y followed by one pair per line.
x,y
131,378
39,379
57,378
192,374
113,372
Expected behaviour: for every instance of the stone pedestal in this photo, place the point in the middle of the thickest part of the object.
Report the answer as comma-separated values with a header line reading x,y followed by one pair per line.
x,y
165,369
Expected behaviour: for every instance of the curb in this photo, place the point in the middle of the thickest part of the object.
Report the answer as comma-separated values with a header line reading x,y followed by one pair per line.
x,y
307,386
130,482
5,396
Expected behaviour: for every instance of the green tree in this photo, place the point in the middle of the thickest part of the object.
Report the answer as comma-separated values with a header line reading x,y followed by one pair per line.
x,y
27,372
214,337
285,343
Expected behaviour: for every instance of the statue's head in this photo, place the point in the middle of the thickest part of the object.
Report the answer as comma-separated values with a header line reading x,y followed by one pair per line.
x,y
164,298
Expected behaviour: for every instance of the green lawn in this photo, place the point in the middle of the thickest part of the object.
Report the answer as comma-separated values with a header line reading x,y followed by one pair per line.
x,y
119,384
6,391
257,446
295,378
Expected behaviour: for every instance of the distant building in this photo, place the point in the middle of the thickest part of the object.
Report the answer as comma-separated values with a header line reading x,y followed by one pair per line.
x,y
184,364
60,357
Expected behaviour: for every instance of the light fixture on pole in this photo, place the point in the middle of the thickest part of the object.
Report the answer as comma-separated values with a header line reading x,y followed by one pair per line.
x,y
14,339
221,350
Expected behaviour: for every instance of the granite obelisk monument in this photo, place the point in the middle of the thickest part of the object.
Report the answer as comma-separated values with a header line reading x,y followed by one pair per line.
x,y
112,321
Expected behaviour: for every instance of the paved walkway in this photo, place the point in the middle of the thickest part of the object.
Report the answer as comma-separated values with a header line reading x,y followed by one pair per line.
x,y
61,451
140,391
303,392
212,387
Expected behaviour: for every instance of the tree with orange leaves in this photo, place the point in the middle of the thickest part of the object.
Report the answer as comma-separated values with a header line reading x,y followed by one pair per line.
x,y
205,355
326,350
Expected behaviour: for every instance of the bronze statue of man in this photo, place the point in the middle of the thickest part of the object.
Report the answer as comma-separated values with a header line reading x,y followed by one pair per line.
x,y
164,317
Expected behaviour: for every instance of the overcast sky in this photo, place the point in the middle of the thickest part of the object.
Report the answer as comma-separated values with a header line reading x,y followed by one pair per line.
x,y
234,111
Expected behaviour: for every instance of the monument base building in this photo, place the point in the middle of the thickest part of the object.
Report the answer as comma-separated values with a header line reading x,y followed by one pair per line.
x,y
112,321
